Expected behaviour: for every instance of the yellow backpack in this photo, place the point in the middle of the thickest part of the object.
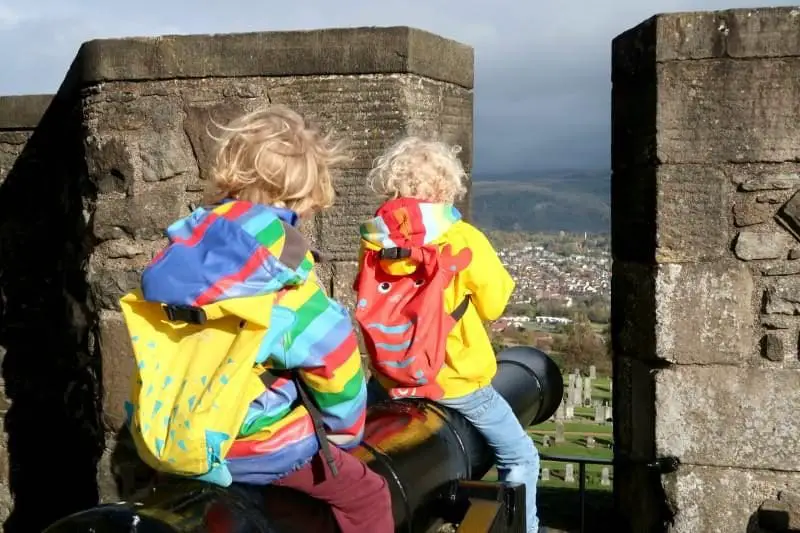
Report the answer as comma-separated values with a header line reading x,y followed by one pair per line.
x,y
194,381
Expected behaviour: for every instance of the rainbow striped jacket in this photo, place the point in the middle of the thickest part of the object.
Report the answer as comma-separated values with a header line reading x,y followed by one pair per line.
x,y
237,250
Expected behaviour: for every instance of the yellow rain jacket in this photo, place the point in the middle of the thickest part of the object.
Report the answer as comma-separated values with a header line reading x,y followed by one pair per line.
x,y
470,361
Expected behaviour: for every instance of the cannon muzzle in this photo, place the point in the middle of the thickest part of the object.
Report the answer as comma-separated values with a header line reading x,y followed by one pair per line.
x,y
426,452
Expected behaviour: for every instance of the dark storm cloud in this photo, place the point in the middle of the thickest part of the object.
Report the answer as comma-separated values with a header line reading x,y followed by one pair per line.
x,y
542,68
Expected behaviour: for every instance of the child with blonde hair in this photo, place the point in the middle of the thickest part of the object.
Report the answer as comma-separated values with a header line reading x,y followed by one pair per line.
x,y
306,405
427,281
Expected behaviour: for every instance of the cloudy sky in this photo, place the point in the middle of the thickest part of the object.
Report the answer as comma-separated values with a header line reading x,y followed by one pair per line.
x,y
542,87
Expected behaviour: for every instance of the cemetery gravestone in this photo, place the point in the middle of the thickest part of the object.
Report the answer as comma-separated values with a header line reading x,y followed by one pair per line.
x,y
545,474
560,432
590,442
593,372
605,478
578,394
569,473
599,415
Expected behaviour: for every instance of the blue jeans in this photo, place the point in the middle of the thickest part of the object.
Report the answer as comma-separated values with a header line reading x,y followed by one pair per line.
x,y
516,456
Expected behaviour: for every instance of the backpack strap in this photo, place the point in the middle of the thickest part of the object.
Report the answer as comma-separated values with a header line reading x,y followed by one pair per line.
x,y
459,311
404,253
268,378
395,253
185,313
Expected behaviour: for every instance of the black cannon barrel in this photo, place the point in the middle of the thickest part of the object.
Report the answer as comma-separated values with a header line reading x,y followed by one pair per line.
x,y
418,446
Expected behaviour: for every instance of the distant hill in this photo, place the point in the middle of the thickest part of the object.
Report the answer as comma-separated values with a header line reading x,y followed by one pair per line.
x,y
543,201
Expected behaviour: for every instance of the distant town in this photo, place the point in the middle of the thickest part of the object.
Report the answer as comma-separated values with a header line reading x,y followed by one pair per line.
x,y
556,271
562,278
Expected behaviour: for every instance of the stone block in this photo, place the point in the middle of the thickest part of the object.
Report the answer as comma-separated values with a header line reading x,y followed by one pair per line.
x,y
771,181
788,216
759,207
735,33
118,367
754,245
782,296
392,50
202,122
692,214
108,286
743,408
695,116
338,226
110,164
782,268
165,156
23,112
704,313
701,103
121,108
748,213
672,213
722,500
773,346
144,215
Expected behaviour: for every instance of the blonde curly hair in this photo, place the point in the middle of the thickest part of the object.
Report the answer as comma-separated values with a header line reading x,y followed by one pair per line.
x,y
421,169
273,156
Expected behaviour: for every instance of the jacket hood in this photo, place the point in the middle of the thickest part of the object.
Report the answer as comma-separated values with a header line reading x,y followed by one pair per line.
x,y
233,250
407,222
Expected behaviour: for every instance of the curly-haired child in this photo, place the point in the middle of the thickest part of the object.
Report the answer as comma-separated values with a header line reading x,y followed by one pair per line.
x,y
272,169
420,181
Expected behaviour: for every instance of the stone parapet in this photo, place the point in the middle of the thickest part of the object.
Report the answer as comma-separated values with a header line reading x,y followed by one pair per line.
x,y
706,274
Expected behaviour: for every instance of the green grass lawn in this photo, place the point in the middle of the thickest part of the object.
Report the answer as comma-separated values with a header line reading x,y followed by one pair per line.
x,y
575,445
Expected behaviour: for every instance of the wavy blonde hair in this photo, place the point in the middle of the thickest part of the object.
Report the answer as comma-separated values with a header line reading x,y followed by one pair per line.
x,y
417,168
274,156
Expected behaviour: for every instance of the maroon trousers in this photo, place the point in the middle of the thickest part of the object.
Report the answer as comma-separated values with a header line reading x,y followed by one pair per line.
x,y
359,498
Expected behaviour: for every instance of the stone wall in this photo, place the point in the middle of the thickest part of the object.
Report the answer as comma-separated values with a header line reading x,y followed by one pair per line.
x,y
19,116
52,437
706,273
145,107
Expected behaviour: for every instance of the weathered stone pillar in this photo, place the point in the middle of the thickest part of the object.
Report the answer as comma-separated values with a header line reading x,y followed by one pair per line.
x,y
51,429
19,116
706,276
148,105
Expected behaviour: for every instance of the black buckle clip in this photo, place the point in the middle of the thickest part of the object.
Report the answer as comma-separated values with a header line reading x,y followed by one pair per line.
x,y
185,313
395,253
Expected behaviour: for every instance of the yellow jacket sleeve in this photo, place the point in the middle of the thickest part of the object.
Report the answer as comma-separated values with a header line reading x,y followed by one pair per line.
x,y
486,277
